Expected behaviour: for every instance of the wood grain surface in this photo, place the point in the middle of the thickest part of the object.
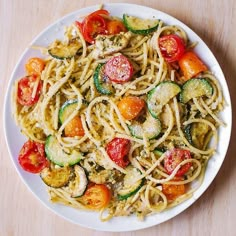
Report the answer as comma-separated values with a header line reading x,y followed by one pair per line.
x,y
213,214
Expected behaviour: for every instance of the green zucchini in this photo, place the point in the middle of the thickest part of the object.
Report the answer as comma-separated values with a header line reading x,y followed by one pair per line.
x,y
101,81
161,95
56,177
62,51
79,183
66,109
158,152
195,87
140,26
57,155
130,184
197,134
151,128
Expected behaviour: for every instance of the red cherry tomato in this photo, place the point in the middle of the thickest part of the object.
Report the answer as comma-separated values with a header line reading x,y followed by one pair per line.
x,y
92,25
118,150
25,90
172,47
119,69
32,157
174,157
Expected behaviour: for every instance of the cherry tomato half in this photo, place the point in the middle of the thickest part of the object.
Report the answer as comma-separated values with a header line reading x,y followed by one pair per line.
x,y
172,47
97,196
130,107
92,25
119,69
174,157
115,27
118,150
25,90
74,127
35,65
32,157
173,191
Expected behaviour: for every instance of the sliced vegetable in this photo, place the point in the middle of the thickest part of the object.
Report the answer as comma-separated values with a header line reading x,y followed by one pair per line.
x,y
79,184
66,109
191,65
115,27
173,191
101,81
93,25
196,134
158,152
57,155
97,196
194,88
131,183
74,127
174,157
119,69
29,90
151,128
32,157
56,177
140,26
118,150
63,51
35,65
172,47
160,96
130,107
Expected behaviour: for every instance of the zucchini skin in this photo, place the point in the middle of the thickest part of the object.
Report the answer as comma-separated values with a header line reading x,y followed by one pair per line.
x,y
101,81
63,109
60,158
53,177
145,31
124,197
151,94
197,84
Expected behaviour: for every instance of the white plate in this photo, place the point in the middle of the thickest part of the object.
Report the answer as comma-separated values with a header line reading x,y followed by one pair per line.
x,y
15,139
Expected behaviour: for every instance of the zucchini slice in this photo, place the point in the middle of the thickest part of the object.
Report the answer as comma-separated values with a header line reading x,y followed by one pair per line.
x,y
130,183
158,152
57,155
151,128
161,95
140,26
195,87
56,177
80,182
67,108
101,81
61,51
197,134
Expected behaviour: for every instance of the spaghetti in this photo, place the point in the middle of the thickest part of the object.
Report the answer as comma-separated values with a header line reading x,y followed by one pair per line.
x,y
185,126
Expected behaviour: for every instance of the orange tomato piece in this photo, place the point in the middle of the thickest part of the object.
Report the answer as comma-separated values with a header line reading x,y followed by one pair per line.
x,y
34,65
130,107
97,196
191,65
173,191
115,27
74,128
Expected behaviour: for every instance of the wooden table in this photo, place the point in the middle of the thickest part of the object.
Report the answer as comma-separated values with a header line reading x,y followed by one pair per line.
x,y
213,214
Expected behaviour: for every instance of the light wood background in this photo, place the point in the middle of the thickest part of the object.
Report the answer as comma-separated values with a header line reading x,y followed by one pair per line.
x,y
213,214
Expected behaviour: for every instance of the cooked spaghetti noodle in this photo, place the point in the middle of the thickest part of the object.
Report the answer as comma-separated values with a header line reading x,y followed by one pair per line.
x,y
72,79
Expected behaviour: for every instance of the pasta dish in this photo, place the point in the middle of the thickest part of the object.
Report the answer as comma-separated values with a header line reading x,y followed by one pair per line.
x,y
121,116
